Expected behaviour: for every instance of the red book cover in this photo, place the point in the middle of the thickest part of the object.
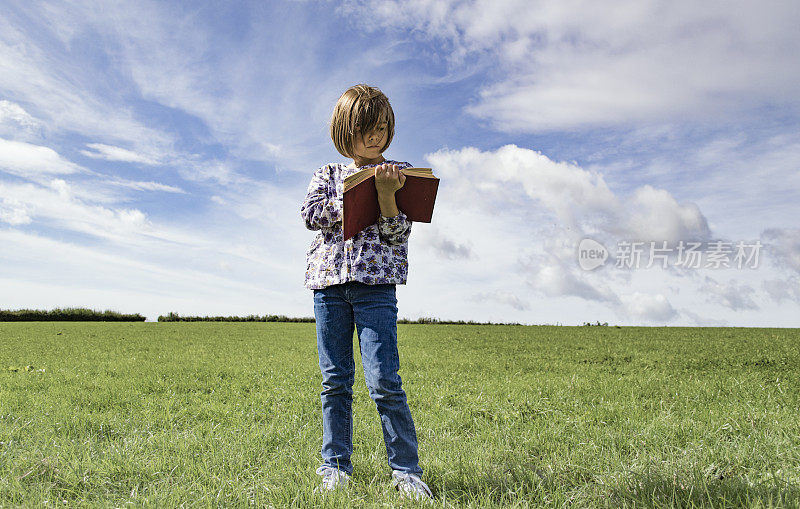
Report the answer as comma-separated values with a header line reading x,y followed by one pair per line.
x,y
415,199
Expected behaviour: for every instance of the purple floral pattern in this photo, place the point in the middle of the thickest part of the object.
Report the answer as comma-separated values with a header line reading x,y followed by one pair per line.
x,y
376,255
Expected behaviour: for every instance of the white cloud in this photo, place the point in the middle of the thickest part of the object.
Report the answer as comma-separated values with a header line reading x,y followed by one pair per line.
x,y
13,212
648,308
522,216
16,123
112,153
25,159
495,178
513,179
655,215
571,64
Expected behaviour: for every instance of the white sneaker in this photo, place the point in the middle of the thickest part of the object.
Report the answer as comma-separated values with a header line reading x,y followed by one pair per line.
x,y
332,478
411,486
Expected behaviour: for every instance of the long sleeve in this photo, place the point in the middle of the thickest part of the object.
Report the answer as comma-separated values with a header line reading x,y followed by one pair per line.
x,y
321,208
394,230
376,255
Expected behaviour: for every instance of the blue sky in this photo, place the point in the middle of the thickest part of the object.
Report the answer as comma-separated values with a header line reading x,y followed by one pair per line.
x,y
154,155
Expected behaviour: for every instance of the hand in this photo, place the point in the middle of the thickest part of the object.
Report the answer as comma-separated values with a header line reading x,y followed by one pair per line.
x,y
388,179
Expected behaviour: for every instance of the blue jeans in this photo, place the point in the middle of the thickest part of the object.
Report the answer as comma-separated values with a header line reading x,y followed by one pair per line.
x,y
373,310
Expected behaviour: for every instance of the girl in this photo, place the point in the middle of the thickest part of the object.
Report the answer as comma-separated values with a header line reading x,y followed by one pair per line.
x,y
354,284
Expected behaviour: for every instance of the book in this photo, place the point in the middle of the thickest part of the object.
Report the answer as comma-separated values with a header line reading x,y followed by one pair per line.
x,y
415,199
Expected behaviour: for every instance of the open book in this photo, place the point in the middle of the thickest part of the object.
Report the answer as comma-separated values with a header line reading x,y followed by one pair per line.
x,y
415,199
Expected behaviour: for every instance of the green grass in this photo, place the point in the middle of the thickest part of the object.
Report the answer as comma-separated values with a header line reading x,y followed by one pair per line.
x,y
227,414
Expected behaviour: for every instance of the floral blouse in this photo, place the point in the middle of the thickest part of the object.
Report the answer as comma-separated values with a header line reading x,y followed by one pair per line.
x,y
376,255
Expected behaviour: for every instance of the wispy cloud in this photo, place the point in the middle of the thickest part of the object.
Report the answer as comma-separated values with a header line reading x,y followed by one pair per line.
x,y
18,124
112,153
147,186
783,244
446,247
60,84
731,294
502,297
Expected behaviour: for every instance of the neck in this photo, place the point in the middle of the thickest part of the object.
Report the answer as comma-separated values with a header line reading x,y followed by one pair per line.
x,y
360,161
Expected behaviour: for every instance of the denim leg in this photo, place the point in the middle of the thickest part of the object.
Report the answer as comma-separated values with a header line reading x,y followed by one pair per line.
x,y
375,312
334,316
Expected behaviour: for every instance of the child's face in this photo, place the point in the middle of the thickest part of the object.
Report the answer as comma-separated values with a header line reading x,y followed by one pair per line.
x,y
368,146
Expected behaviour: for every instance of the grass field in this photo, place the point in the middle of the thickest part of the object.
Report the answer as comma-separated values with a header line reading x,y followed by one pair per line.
x,y
228,414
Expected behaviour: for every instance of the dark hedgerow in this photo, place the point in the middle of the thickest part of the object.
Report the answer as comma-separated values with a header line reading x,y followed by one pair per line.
x,y
67,315
174,317
428,321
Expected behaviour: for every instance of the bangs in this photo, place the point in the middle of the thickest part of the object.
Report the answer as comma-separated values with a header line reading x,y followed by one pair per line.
x,y
368,113
360,109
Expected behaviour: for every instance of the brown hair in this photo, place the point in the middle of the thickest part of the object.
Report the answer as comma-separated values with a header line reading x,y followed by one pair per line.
x,y
359,109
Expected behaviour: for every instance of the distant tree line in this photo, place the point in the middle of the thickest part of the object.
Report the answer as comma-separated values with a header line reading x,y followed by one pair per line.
x,y
87,315
452,322
174,317
67,315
